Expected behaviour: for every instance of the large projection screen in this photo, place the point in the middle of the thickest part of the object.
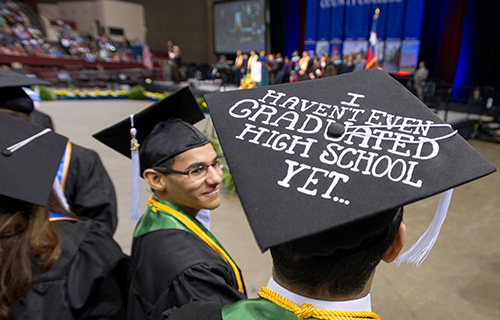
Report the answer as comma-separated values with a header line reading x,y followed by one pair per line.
x,y
239,25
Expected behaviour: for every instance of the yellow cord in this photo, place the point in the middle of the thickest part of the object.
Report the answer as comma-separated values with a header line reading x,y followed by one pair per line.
x,y
202,235
307,311
66,165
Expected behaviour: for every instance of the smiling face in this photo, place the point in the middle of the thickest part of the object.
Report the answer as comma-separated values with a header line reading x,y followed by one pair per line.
x,y
189,195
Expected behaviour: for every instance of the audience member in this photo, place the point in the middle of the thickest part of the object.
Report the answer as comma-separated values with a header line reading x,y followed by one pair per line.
x,y
304,66
238,63
359,63
348,65
283,75
252,59
294,62
420,78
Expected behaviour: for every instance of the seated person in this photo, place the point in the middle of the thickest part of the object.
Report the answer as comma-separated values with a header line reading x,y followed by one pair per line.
x,y
53,264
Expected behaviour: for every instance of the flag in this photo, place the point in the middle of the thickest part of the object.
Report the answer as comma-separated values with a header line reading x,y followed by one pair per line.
x,y
371,58
147,57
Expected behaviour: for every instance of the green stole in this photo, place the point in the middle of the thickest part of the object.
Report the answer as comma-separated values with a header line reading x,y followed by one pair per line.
x,y
160,220
256,309
155,219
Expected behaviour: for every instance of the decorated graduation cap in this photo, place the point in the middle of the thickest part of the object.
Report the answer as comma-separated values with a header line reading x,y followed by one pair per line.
x,y
334,155
29,159
12,95
156,134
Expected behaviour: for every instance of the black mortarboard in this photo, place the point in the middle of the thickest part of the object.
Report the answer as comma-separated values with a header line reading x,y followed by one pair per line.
x,y
164,129
15,99
12,96
29,159
334,154
10,79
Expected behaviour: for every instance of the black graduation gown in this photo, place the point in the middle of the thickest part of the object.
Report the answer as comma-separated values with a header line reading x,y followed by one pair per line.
x,y
199,310
88,188
88,281
171,267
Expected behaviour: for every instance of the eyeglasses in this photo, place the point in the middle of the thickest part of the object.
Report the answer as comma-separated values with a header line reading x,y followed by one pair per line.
x,y
197,173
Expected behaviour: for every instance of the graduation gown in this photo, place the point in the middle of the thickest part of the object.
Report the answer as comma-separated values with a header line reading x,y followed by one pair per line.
x,y
87,186
88,281
171,266
280,302
252,309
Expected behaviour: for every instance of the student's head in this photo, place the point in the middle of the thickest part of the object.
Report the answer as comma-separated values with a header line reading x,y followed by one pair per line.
x,y
344,272
15,102
27,240
176,159
476,93
191,180
13,99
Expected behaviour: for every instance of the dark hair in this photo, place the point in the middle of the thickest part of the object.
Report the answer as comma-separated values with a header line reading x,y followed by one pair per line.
x,y
167,163
341,274
28,241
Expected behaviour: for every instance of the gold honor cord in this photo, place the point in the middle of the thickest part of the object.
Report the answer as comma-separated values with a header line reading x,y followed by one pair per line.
x,y
66,165
200,233
307,311
64,219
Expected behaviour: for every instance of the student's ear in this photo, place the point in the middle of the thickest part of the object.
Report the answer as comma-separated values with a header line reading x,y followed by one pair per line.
x,y
397,245
154,179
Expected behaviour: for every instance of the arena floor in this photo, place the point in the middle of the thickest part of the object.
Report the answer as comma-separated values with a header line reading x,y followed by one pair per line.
x,y
460,279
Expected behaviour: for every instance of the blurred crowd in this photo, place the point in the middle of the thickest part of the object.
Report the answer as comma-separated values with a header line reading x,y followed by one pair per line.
x,y
291,69
19,36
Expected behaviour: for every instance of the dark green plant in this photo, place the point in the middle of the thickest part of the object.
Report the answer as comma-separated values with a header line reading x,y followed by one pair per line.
x,y
137,93
46,94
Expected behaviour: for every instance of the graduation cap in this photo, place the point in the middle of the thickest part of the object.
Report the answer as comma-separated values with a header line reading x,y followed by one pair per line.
x,y
156,134
12,96
29,159
9,79
334,155
164,129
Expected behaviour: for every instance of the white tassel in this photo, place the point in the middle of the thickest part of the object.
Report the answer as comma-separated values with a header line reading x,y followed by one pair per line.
x,y
421,249
135,210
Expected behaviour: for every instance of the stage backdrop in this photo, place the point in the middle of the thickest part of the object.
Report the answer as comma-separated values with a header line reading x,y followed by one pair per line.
x,y
344,26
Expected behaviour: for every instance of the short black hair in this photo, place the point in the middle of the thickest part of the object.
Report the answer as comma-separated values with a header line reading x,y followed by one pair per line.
x,y
167,163
343,273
